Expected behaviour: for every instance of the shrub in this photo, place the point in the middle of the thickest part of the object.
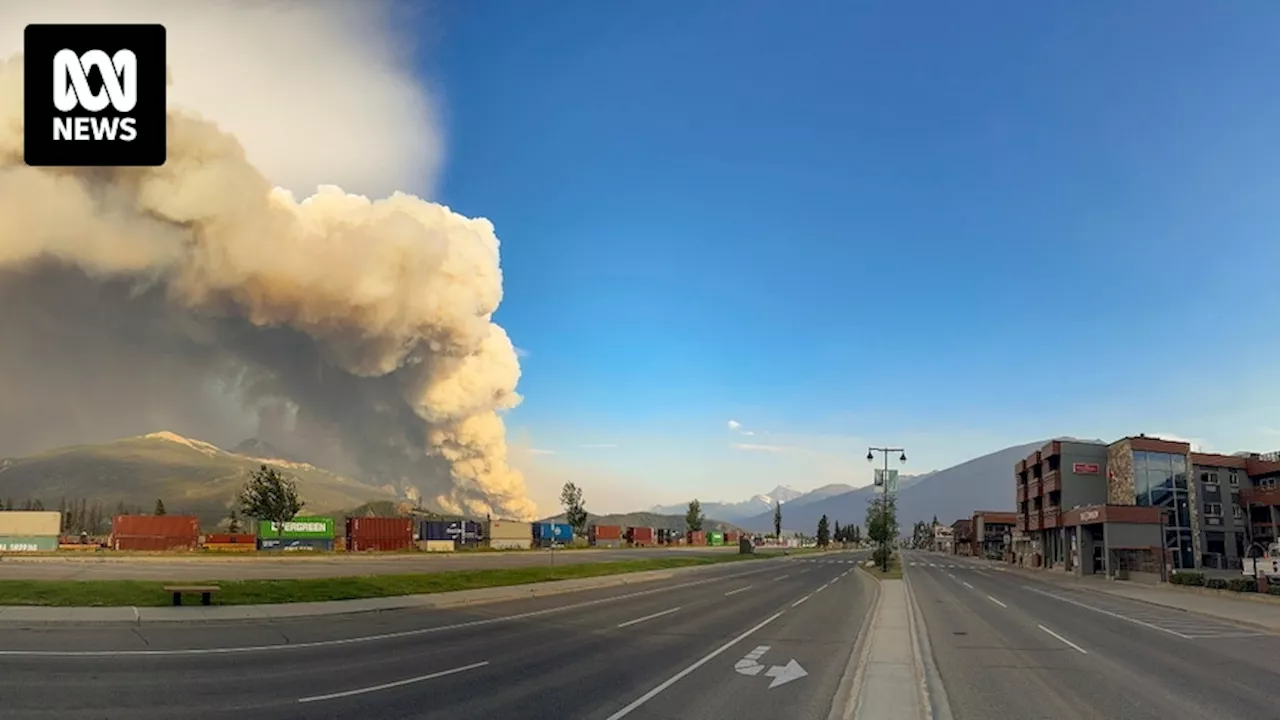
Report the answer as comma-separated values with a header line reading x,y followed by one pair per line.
x,y
880,555
1217,583
1273,588
1242,584
1187,578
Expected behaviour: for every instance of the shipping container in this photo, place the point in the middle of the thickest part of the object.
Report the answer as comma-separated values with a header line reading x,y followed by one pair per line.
x,y
230,547
379,533
167,526
460,531
154,543
509,530
437,545
716,538
270,544
698,538
730,538
28,543
25,523
604,532
641,536
230,539
318,528
546,534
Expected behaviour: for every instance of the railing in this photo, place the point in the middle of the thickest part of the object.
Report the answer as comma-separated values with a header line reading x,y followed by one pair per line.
x,y
1034,488
1052,481
1033,522
1052,516
1022,494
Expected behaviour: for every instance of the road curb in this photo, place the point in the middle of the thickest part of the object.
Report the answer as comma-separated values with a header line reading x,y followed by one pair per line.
x,y
1270,629
934,693
856,670
29,615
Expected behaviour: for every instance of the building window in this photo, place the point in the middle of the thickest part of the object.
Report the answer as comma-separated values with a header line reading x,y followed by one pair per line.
x,y
1209,478
1267,483
1213,509
1236,512
1233,478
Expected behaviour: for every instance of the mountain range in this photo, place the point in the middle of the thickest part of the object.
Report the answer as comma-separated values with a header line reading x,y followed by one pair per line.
x,y
733,511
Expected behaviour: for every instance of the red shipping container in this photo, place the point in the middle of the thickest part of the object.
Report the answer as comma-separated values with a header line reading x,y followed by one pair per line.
x,y
698,538
154,543
156,525
228,538
605,532
731,538
378,533
641,536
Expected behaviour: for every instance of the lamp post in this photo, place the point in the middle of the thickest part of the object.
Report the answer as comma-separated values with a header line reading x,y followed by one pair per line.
x,y
884,504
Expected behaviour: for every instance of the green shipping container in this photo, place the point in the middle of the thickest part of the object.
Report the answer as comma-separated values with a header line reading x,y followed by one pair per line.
x,y
319,528
28,543
715,537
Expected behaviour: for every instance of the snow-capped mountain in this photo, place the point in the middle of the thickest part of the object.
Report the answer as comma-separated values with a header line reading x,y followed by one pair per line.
x,y
757,504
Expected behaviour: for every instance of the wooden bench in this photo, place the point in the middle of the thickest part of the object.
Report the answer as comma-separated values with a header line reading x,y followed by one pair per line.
x,y
206,592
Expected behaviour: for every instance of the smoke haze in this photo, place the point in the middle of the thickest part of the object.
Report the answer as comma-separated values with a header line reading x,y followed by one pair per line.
x,y
203,298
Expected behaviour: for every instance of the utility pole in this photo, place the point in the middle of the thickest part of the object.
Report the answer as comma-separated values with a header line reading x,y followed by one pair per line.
x,y
884,503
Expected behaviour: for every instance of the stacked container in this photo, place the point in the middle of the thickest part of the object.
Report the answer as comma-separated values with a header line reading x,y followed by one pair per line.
x,y
730,538
434,535
641,536
608,536
29,531
155,532
546,534
230,542
509,535
379,533
301,534
715,538
698,538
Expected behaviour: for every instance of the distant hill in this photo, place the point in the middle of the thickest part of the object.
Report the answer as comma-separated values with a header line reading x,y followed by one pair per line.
x,y
984,483
738,511
647,519
190,476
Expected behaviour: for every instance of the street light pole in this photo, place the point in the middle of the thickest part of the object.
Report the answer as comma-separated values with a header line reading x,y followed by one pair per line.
x,y
884,503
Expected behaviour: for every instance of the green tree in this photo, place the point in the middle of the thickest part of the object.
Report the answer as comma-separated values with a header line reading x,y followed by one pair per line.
x,y
270,496
777,519
159,507
855,535
824,532
882,525
693,517
574,512
835,531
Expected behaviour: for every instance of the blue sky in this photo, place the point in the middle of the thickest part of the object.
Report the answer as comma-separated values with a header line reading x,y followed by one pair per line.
x,y
951,226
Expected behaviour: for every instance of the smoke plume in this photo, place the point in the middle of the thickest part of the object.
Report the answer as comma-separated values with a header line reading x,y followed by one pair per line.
x,y
202,297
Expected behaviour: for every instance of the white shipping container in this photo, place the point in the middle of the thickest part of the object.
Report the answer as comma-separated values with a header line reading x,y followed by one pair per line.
x,y
30,522
510,543
437,545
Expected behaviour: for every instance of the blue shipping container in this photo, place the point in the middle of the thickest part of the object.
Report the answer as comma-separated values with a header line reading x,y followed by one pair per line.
x,y
545,533
457,530
295,544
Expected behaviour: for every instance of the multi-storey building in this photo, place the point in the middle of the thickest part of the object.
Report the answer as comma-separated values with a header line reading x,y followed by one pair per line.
x,y
962,533
990,533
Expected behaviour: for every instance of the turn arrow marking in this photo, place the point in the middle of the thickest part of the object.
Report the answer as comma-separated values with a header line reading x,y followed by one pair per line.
x,y
750,666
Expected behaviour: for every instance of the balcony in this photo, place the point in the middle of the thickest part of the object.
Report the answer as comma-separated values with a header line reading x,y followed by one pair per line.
x,y
1020,524
1022,494
1052,482
1052,516
1033,521
1034,489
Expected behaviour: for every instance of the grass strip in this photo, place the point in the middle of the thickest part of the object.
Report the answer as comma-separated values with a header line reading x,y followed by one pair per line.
x,y
894,572
150,593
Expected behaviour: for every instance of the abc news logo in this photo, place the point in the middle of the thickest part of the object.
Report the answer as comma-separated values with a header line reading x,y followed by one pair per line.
x,y
105,102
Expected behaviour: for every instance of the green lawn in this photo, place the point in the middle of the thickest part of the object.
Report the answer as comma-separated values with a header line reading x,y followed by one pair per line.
x,y
894,573
101,593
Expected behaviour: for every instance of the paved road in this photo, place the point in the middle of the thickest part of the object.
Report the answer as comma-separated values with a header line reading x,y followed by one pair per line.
x,y
701,646
206,567
1011,646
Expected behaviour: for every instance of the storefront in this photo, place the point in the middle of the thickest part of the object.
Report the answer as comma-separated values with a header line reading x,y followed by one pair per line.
x,y
1121,541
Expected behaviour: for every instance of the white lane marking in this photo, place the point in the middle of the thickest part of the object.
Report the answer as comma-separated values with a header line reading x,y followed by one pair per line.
x,y
735,592
388,686
647,617
680,675
800,602
1117,616
1068,642
997,602
967,584
362,638
820,589
780,577
951,575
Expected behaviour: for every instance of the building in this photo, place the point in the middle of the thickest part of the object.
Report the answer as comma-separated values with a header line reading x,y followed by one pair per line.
x,y
1086,507
961,533
944,539
991,534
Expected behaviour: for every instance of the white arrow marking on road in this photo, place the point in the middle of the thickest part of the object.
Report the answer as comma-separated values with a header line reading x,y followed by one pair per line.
x,y
784,674
750,666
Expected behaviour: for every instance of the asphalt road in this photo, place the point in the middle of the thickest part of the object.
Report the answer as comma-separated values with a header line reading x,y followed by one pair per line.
x,y
1010,646
714,643
71,566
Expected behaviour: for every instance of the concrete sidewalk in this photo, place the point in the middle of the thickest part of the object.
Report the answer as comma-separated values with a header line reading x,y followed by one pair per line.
x,y
35,615
890,684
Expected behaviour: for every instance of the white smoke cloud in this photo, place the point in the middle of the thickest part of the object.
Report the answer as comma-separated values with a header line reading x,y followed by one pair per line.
x,y
199,295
